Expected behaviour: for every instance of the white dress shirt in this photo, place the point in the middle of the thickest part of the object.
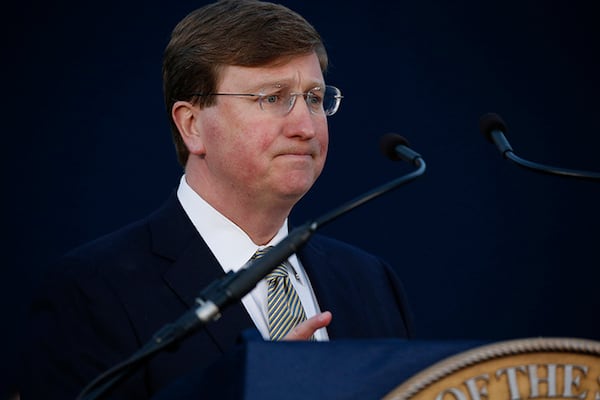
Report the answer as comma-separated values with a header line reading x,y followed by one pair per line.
x,y
233,248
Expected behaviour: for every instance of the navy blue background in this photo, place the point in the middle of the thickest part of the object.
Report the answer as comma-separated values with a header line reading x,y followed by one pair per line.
x,y
486,250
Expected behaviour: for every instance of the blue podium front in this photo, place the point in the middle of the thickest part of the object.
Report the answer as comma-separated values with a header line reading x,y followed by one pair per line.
x,y
352,369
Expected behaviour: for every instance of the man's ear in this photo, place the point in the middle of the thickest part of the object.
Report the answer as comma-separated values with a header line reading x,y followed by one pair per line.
x,y
185,115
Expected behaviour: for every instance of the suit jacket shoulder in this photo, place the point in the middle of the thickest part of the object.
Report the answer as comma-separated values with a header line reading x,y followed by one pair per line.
x,y
104,300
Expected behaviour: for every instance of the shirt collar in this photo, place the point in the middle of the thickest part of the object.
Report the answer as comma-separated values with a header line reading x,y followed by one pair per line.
x,y
231,246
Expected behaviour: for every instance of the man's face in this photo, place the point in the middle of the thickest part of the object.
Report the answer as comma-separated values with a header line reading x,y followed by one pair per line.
x,y
254,153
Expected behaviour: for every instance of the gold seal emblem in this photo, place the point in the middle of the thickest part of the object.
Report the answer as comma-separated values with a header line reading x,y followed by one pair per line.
x,y
524,369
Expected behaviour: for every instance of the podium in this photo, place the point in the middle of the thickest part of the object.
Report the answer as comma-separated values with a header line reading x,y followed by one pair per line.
x,y
395,369
343,369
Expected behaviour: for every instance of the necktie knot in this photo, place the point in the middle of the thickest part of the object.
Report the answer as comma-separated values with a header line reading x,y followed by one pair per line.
x,y
261,252
279,272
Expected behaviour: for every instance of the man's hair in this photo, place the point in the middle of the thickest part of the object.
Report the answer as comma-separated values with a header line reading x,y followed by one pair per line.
x,y
246,33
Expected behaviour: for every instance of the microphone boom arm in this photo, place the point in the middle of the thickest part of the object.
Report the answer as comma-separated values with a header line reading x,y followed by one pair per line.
x,y
507,152
493,127
378,191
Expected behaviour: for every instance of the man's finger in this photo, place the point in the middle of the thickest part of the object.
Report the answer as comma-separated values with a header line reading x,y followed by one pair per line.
x,y
307,328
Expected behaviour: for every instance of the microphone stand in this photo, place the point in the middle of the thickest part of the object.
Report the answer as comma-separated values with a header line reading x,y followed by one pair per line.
x,y
232,287
493,127
497,136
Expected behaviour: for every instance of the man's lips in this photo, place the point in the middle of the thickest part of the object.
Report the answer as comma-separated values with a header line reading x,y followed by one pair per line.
x,y
297,153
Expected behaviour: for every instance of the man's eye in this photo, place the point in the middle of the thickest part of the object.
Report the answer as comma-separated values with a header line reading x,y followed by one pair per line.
x,y
315,99
271,98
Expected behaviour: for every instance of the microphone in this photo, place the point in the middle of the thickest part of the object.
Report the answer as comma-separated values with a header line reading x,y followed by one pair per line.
x,y
396,147
493,128
235,285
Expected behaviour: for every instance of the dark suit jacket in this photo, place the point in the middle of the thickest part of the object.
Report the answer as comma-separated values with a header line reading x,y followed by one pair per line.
x,y
106,299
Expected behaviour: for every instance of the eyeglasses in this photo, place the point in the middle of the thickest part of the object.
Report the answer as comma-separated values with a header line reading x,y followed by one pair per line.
x,y
280,101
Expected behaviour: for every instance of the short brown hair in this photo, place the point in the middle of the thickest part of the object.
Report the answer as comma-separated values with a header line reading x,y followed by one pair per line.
x,y
247,33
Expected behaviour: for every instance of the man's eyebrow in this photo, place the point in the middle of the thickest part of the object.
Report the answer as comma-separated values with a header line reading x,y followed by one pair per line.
x,y
283,83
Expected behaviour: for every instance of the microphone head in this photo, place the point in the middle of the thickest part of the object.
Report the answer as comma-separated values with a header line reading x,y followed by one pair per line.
x,y
388,144
490,122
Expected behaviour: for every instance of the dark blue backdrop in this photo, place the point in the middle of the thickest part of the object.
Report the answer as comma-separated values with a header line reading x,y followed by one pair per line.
x,y
486,250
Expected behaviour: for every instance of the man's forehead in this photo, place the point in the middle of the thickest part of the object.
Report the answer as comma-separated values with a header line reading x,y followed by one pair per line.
x,y
302,71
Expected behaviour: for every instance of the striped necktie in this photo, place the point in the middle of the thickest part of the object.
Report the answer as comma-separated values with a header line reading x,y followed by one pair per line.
x,y
285,310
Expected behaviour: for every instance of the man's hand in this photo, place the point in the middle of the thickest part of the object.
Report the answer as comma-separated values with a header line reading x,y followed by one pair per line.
x,y
306,329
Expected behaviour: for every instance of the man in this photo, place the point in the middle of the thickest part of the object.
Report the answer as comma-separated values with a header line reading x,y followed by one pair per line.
x,y
248,106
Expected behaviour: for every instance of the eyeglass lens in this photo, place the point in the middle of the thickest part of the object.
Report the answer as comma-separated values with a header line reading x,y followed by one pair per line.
x,y
319,101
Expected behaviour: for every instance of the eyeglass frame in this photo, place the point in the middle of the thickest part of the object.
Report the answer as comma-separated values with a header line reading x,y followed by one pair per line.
x,y
293,95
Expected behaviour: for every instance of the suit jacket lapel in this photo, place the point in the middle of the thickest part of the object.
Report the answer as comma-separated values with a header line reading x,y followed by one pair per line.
x,y
194,268
323,275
